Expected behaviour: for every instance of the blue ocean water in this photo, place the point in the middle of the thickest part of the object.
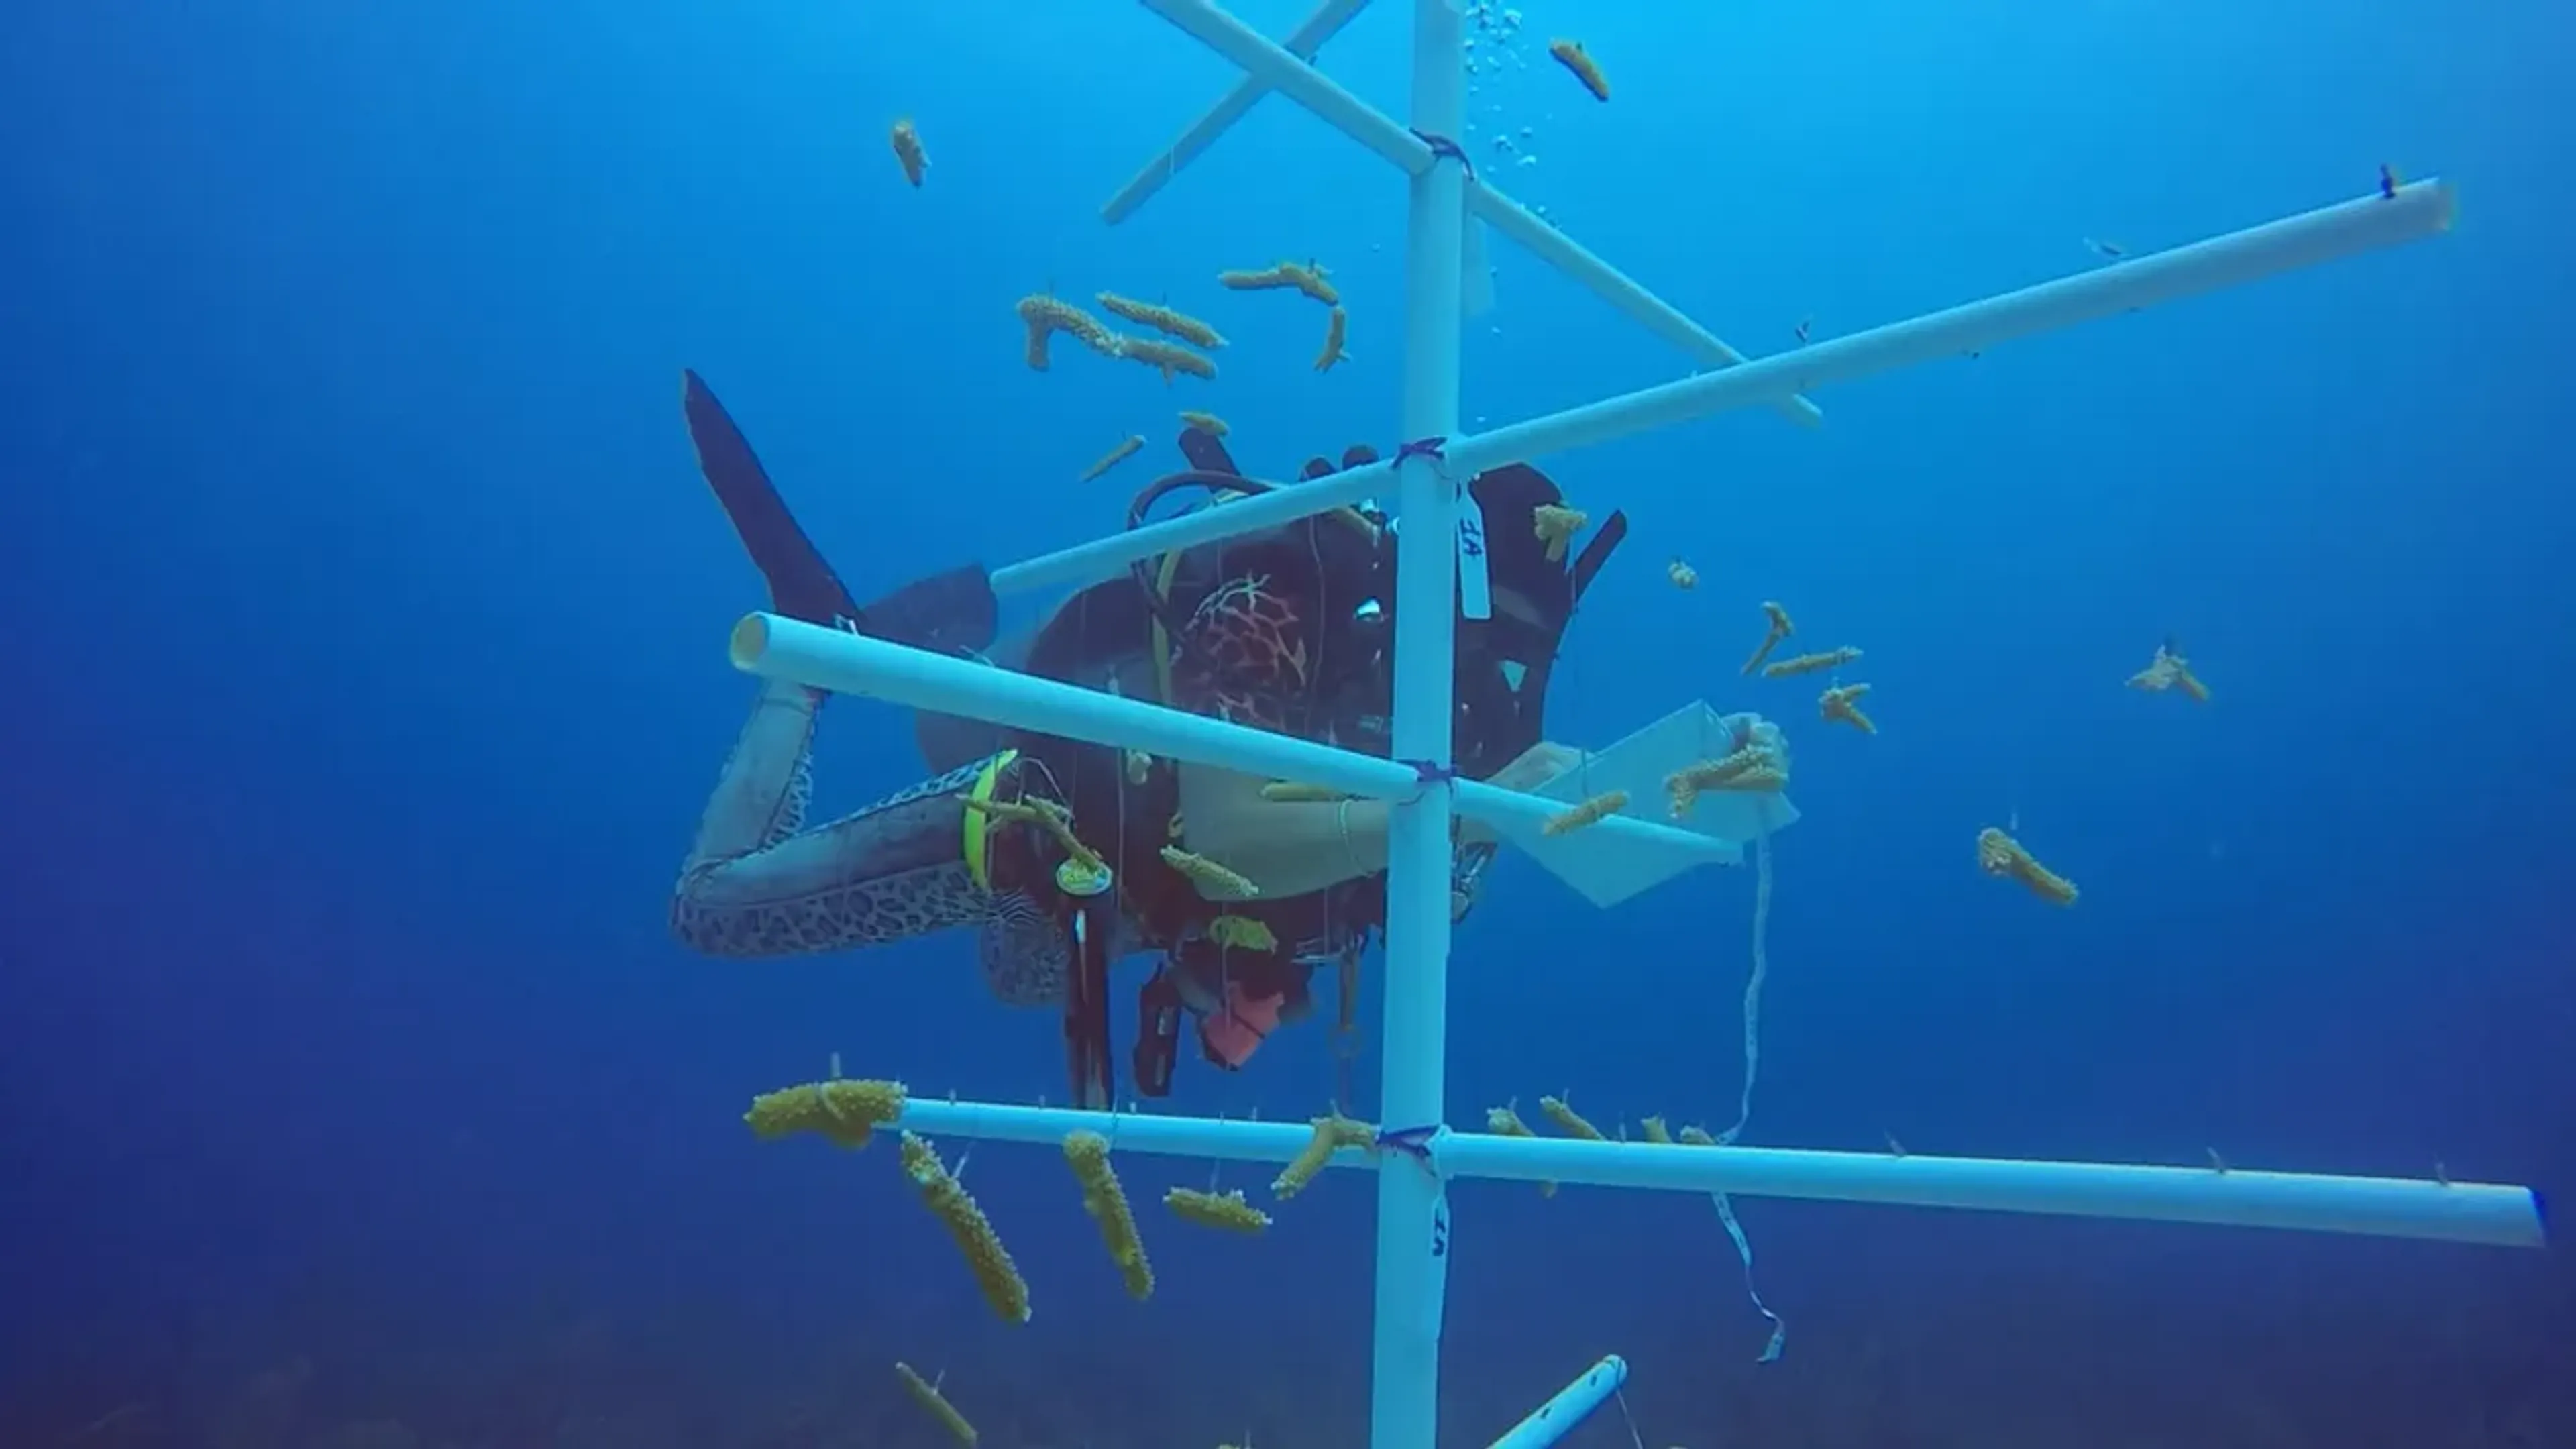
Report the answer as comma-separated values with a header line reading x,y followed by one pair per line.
x,y
367,614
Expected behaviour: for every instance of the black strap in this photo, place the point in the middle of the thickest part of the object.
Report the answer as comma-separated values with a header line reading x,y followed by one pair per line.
x,y
1158,1034
1613,530
1093,1079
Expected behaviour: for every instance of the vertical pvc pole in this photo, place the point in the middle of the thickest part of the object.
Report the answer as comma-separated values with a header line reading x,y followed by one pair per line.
x,y
1412,1211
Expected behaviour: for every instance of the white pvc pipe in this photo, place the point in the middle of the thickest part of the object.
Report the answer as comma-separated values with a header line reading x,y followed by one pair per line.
x,y
1106,558
1302,42
1413,1056
2488,1214
2386,1207
1615,287
1573,1404
2415,211
775,647
1278,67
1271,65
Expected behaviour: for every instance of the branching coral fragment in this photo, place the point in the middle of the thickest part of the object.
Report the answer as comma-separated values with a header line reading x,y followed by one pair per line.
x,y
1106,1201
1655,1130
1162,319
2170,671
946,1198
847,1112
1336,331
1046,815
1308,278
1505,1121
1779,628
1568,1121
1684,577
928,1396
1227,1211
2003,857
1045,316
1331,1134
1126,449
907,150
1556,526
1242,933
1571,55
1169,358
1842,704
1751,767
1591,812
1214,882
1810,663
1295,792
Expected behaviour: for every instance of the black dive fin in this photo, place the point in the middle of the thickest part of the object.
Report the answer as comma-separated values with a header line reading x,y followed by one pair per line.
x,y
1613,530
1206,453
801,584
951,612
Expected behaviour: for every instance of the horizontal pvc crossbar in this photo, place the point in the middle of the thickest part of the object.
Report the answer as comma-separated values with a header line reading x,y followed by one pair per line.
x,y
2459,1212
845,663
1106,558
1573,1404
1303,42
1614,287
2416,211
1282,69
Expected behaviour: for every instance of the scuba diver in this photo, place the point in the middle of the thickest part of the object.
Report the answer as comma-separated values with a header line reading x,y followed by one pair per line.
x,y
1288,629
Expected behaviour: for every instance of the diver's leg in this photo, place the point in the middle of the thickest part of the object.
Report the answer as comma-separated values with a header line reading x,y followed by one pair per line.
x,y
758,885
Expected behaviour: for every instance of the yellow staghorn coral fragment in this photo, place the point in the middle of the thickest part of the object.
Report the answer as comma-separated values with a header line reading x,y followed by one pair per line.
x,y
907,150
1293,792
1208,423
1568,1121
1810,663
1106,1201
1336,331
1695,1136
1842,703
1307,278
1227,1211
928,1396
1750,767
1655,1130
1242,933
2001,856
1779,628
1684,577
1331,1135
946,1198
1506,1121
1045,316
1591,812
1214,882
2170,671
1133,444
1556,526
1162,319
1046,815
1571,55
1169,358
846,1112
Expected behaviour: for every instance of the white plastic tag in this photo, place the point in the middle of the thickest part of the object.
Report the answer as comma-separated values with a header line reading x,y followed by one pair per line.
x,y
1475,587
